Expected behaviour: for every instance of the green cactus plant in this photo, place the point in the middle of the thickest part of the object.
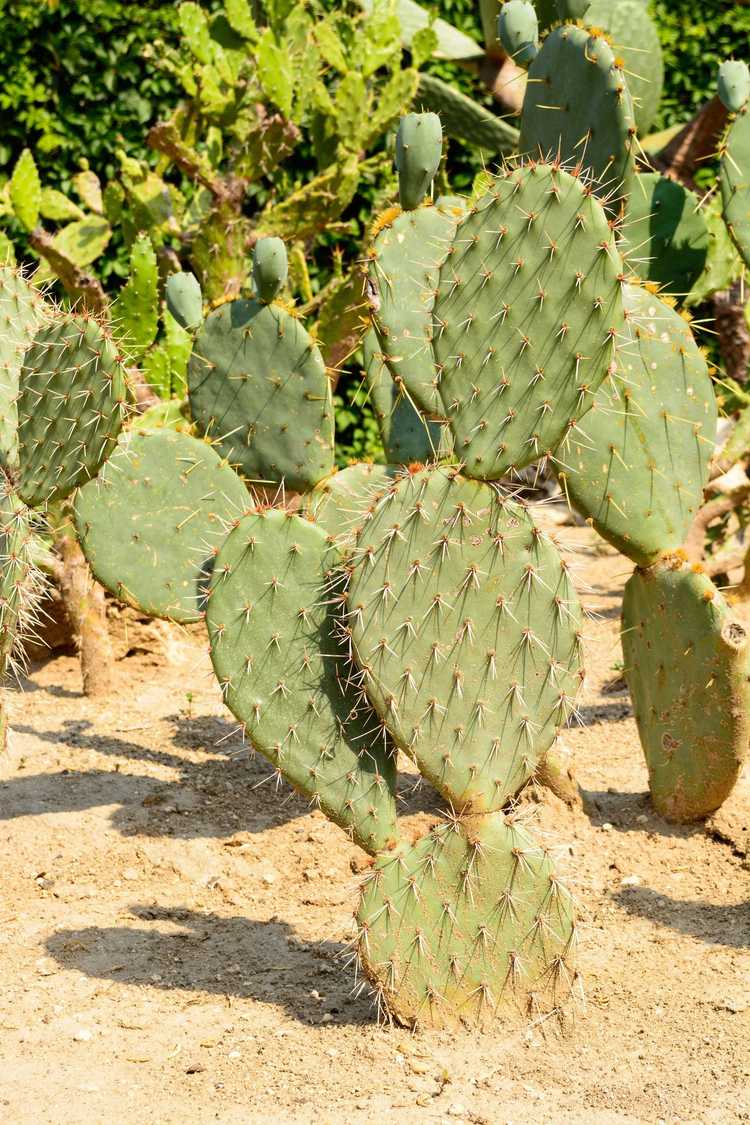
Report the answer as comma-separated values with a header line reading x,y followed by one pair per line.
x,y
735,160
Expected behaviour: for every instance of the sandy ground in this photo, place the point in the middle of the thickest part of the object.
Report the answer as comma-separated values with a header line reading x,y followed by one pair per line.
x,y
171,927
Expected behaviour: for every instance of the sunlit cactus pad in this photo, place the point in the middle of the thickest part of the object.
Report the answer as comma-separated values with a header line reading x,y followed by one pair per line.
x,y
466,623
258,388
21,309
470,923
577,108
272,626
71,407
688,671
19,583
151,523
635,39
403,282
638,462
528,318
735,181
666,233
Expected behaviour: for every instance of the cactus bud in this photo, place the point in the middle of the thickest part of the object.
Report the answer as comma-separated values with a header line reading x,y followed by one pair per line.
x,y
419,146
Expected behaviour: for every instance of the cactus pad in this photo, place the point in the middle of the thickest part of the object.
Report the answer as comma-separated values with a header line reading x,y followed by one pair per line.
x,y
71,408
419,147
735,181
151,523
667,231
270,268
527,319
21,309
184,300
635,38
406,435
340,502
687,667
283,671
470,922
638,463
466,624
19,583
733,83
258,388
577,108
518,29
403,279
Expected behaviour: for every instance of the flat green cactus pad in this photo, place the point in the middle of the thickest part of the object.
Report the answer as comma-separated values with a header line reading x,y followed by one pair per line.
x,y
687,667
470,923
667,233
258,388
577,108
527,319
18,583
635,39
71,407
277,653
466,624
735,181
638,462
152,522
407,436
21,309
403,280
340,503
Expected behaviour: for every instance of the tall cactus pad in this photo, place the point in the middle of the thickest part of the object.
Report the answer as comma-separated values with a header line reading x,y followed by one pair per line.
x,y
185,300
634,38
527,319
470,923
405,434
735,181
275,650
466,625
270,268
153,520
419,148
21,309
18,580
341,502
403,281
687,667
258,388
71,408
667,232
638,462
577,108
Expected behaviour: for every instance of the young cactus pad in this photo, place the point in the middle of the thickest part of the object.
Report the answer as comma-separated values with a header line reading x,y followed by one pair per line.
x,y
735,181
403,282
419,147
270,268
21,310
71,407
275,648
518,31
638,462
687,668
258,388
667,232
577,109
527,319
466,624
471,919
342,501
733,84
185,300
151,523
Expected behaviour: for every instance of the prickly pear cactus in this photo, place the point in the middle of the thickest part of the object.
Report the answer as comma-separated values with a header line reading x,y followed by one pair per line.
x,y
469,921
185,300
635,39
638,462
71,407
688,669
407,436
340,502
21,310
666,232
152,522
403,284
274,629
518,30
577,108
19,580
467,626
419,148
527,318
258,389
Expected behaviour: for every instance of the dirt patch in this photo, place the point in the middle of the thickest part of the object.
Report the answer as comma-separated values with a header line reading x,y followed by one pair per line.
x,y
174,930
